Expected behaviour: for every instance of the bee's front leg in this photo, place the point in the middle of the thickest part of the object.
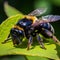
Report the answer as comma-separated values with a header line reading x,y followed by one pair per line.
x,y
9,38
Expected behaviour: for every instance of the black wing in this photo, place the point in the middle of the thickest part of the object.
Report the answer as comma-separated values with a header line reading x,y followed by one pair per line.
x,y
51,18
38,12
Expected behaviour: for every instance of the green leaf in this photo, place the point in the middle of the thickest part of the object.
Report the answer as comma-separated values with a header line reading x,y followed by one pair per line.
x,y
36,58
10,11
21,57
52,50
7,25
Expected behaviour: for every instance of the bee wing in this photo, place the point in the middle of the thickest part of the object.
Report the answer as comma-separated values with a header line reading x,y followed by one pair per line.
x,y
51,18
46,19
38,12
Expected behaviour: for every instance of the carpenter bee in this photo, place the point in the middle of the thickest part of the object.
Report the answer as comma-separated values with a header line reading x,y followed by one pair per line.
x,y
30,26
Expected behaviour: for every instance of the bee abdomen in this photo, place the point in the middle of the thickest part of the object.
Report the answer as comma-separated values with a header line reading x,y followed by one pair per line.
x,y
47,26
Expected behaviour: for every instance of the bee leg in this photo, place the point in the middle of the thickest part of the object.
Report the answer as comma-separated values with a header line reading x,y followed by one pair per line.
x,y
8,35
29,42
50,34
40,41
16,41
6,39
55,39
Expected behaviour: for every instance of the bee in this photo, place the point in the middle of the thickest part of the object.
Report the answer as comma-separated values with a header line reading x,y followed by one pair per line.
x,y
30,26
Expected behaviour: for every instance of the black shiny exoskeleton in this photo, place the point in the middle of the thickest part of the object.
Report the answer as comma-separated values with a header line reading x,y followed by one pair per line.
x,y
30,26
24,22
18,34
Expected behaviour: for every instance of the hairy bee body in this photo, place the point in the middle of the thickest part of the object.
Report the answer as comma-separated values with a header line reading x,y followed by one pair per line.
x,y
23,29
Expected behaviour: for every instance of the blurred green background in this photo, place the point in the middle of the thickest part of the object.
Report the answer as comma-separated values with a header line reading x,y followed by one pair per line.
x,y
26,6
